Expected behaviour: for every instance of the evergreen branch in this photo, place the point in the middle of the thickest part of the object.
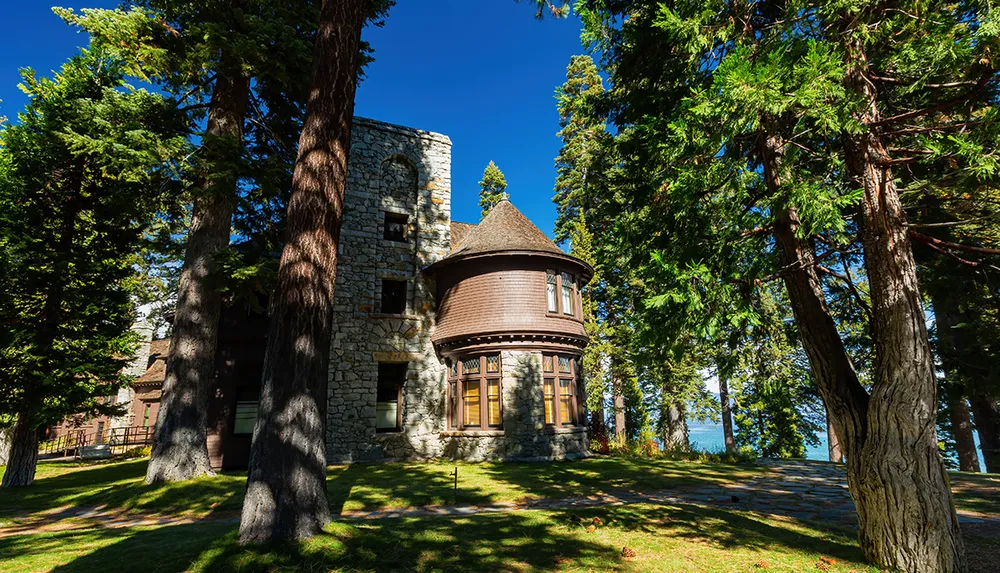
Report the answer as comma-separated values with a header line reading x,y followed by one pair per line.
x,y
983,80
928,240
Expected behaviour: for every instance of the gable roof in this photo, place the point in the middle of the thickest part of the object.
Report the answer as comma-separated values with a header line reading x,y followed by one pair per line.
x,y
156,372
504,230
459,231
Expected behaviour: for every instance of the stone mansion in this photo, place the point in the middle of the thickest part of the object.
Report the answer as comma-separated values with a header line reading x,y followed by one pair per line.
x,y
451,340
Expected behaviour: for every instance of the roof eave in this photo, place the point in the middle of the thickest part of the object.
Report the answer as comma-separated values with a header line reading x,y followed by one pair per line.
x,y
588,271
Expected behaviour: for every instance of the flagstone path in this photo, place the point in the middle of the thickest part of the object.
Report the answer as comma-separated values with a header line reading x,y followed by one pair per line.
x,y
794,489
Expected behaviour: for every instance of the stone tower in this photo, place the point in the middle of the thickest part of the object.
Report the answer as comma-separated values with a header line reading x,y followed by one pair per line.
x,y
396,222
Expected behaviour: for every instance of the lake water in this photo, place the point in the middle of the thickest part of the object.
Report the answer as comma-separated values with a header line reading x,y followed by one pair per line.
x,y
710,438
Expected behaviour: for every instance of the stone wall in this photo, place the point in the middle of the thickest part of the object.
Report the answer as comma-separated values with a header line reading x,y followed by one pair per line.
x,y
403,171
135,369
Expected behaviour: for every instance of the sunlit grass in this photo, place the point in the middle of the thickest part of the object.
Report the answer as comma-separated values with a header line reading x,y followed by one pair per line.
x,y
664,539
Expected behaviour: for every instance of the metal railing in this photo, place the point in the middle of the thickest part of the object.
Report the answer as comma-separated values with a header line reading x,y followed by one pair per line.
x,y
118,439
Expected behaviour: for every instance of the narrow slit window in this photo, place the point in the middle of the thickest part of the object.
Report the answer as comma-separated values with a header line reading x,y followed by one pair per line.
x,y
550,286
550,401
568,286
493,402
393,296
565,401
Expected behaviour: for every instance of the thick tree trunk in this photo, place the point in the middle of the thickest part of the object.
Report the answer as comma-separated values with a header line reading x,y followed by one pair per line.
x,y
286,486
986,414
180,449
946,314
833,442
23,455
905,509
675,429
618,398
727,413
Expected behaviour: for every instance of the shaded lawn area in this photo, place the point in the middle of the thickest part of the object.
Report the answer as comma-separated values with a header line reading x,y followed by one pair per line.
x,y
664,539
979,493
360,486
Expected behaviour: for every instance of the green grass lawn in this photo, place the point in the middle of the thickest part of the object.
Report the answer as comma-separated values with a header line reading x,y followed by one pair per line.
x,y
360,486
665,539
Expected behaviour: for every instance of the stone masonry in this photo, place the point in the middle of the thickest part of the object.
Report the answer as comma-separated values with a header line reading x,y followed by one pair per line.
x,y
402,171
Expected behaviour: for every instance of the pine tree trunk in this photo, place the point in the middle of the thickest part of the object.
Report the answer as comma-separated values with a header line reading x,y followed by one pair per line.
x,y
675,429
961,427
180,450
832,442
23,455
727,414
946,314
618,396
918,531
986,414
286,486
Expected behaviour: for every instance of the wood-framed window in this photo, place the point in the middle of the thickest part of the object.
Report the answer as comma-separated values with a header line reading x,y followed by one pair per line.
x,y
475,393
389,396
561,292
245,412
395,227
562,391
393,296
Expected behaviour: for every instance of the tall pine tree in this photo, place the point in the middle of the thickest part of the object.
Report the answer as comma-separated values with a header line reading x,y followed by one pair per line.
x,y
491,188
87,166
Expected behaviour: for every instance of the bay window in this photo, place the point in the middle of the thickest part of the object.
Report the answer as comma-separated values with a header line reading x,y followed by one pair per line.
x,y
474,393
562,394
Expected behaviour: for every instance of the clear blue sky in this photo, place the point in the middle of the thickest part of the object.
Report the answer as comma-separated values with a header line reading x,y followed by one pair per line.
x,y
483,73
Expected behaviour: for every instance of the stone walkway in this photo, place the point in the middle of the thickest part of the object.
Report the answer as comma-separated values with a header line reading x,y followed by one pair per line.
x,y
799,490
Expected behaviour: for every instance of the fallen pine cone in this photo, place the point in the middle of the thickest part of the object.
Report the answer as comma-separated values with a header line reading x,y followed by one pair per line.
x,y
628,552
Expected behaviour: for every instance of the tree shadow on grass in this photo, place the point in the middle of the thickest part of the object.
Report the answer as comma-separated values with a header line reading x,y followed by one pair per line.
x,y
609,475
120,486
497,542
725,529
390,485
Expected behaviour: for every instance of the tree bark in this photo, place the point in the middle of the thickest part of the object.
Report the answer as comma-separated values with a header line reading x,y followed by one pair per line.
x,y
180,449
618,396
675,429
833,442
986,414
905,509
946,317
727,413
286,486
23,454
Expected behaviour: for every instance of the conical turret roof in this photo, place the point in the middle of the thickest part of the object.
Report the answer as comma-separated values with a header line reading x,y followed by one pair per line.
x,y
506,230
